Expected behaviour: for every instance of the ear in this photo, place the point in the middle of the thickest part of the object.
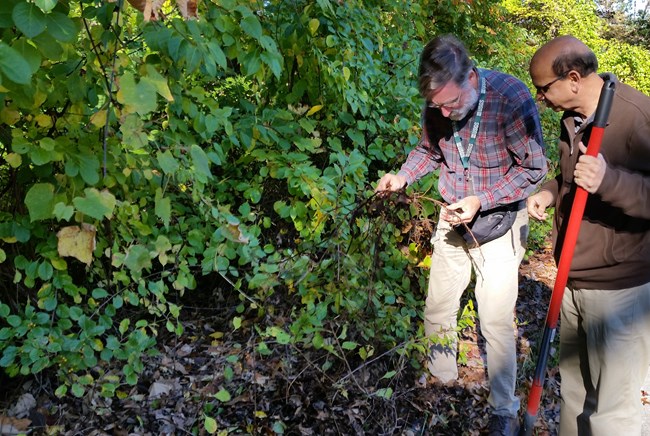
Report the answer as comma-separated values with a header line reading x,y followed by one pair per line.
x,y
575,79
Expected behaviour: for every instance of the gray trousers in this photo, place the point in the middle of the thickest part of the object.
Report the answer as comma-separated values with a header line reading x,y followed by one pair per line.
x,y
496,267
604,359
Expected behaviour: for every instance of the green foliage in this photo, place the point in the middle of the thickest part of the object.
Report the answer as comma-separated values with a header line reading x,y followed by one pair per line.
x,y
232,154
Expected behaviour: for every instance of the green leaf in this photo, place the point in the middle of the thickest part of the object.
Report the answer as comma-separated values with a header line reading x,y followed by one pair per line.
x,y
29,19
46,5
163,207
61,27
63,212
217,54
124,325
168,162
28,52
61,391
252,26
201,163
223,396
137,258
39,201
45,271
88,168
386,393
210,425
14,66
159,82
274,61
78,390
313,26
95,204
99,293
137,97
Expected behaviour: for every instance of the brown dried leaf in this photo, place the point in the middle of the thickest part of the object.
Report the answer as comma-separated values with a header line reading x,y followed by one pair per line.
x,y
13,426
149,8
77,242
187,8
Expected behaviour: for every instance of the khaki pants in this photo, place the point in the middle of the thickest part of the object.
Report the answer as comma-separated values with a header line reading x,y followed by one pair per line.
x,y
496,267
604,358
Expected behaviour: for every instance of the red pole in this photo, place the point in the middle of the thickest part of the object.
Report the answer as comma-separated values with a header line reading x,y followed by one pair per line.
x,y
566,256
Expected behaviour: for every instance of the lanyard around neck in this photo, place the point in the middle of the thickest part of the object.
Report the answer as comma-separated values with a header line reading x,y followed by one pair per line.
x,y
466,152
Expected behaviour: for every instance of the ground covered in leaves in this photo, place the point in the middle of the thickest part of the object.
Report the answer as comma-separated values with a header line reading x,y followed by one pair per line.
x,y
210,381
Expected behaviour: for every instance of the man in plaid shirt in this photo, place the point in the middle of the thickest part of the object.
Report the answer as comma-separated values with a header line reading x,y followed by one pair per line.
x,y
481,131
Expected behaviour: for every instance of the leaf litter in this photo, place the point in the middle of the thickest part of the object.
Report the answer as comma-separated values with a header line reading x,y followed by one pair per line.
x,y
211,375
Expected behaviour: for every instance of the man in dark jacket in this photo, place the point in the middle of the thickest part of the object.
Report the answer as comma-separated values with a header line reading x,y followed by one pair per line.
x,y
605,315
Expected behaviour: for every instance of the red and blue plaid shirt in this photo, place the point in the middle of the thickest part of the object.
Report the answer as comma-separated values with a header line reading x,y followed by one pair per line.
x,y
507,161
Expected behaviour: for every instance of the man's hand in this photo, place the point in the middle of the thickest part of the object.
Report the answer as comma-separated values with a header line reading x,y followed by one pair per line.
x,y
537,204
391,182
589,171
462,211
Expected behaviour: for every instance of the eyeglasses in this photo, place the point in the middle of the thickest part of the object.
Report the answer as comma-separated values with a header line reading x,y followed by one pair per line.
x,y
544,89
448,104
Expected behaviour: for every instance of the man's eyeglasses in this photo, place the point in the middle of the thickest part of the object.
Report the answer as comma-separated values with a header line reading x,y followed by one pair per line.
x,y
448,104
544,89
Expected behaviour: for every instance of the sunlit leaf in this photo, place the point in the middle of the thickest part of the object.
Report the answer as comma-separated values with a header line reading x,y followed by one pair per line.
x,y
223,396
46,5
210,425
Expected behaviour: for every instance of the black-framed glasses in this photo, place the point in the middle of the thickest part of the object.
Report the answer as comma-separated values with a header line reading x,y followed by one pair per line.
x,y
544,88
448,104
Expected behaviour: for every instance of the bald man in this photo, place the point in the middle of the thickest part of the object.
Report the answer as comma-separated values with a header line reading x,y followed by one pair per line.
x,y
605,315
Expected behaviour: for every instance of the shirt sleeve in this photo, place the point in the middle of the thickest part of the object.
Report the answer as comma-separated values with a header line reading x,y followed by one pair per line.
x,y
422,160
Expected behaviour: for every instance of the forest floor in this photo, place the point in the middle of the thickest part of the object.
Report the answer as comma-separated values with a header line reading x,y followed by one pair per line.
x,y
289,393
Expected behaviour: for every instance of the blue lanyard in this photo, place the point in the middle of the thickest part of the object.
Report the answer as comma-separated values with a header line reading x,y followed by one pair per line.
x,y
466,152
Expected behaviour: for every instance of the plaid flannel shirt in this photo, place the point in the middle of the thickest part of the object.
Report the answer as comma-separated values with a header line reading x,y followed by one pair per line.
x,y
507,161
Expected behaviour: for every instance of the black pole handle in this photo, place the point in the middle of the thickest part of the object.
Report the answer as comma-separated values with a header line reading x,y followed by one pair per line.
x,y
604,103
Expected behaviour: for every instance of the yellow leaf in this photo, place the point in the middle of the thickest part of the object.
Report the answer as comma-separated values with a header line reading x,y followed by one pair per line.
x,y
43,120
313,26
77,242
14,159
426,262
346,73
260,414
98,119
314,109
9,116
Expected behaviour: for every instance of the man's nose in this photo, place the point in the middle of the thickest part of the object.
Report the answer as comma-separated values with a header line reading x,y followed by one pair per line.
x,y
445,112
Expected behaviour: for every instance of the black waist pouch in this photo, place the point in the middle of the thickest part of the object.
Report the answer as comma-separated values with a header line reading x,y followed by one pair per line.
x,y
490,224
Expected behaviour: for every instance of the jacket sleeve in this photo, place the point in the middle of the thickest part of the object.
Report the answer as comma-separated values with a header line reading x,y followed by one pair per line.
x,y
628,188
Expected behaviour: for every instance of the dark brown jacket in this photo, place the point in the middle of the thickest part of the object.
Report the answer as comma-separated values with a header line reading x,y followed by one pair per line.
x,y
613,248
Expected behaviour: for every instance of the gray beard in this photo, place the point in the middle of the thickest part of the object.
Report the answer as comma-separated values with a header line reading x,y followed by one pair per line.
x,y
470,102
